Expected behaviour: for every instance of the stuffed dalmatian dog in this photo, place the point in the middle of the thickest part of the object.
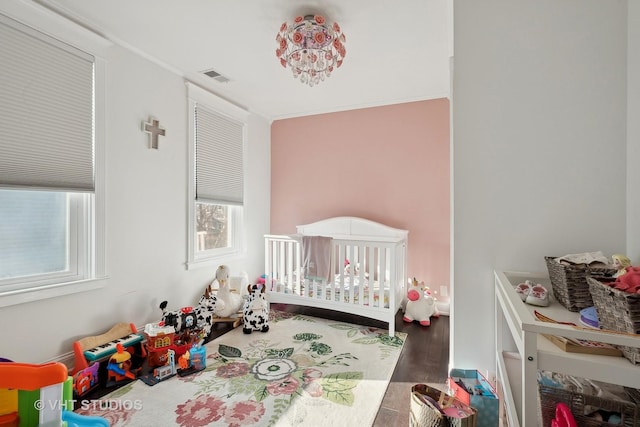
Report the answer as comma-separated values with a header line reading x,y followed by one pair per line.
x,y
255,310
190,318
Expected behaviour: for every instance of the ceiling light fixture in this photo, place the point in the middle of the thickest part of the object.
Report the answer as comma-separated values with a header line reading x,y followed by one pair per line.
x,y
311,47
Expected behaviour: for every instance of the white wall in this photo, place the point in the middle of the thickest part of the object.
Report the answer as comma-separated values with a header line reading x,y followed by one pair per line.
x,y
146,210
539,143
633,133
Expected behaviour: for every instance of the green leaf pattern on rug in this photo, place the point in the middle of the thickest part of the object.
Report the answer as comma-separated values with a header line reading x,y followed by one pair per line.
x,y
306,337
244,385
320,348
280,405
281,353
261,394
352,330
369,336
209,385
228,351
281,375
338,388
340,359
276,316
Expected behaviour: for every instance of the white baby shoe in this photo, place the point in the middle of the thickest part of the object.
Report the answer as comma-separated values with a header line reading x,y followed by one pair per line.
x,y
523,289
539,295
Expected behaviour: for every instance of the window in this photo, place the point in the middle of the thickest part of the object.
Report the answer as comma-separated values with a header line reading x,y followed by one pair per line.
x,y
43,238
50,172
216,183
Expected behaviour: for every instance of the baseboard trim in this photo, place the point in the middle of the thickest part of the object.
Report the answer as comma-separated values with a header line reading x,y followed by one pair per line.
x,y
69,359
443,308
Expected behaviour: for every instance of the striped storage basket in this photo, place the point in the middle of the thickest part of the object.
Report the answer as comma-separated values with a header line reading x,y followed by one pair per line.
x,y
569,281
581,403
618,311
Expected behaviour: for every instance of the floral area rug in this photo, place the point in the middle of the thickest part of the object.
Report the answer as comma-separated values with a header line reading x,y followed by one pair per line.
x,y
304,371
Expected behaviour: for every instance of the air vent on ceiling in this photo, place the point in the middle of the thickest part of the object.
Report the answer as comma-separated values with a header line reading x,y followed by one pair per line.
x,y
216,76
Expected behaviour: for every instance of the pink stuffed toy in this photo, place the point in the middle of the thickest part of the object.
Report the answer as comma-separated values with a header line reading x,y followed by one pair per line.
x,y
420,304
564,417
629,281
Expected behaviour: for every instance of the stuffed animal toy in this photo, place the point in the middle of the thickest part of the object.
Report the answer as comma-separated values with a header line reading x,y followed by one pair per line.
x,y
256,310
232,300
629,281
191,318
349,268
564,417
620,263
420,304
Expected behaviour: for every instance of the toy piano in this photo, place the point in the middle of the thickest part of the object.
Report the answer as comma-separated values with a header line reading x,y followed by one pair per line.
x,y
94,348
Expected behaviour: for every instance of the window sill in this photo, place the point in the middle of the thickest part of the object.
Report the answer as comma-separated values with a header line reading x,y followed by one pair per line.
x,y
215,261
22,296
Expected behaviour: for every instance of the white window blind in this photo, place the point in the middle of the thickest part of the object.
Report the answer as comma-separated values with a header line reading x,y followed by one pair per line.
x,y
46,111
219,158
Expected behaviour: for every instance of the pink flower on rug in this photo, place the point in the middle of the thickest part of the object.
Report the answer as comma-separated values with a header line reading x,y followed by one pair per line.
x,y
311,378
314,388
287,386
117,416
276,315
311,374
244,413
200,411
189,378
233,369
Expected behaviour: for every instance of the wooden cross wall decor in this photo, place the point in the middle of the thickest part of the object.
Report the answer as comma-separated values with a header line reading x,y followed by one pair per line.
x,y
152,127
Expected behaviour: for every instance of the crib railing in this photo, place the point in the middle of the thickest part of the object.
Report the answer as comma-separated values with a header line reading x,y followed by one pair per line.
x,y
283,264
364,273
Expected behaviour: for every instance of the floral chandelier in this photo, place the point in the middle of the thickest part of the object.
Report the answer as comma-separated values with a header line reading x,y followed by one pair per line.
x,y
311,48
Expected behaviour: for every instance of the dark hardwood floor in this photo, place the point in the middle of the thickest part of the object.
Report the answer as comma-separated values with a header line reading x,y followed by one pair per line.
x,y
424,359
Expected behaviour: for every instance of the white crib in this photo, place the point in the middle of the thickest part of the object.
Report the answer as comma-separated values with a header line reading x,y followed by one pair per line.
x,y
368,268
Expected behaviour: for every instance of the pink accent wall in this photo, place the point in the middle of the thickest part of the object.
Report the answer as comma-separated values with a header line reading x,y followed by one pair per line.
x,y
388,164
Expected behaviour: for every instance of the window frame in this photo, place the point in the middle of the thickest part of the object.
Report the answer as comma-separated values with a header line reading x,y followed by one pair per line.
x,y
237,227
195,258
87,218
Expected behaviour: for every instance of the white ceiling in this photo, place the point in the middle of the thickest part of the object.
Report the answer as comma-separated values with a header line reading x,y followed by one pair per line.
x,y
397,50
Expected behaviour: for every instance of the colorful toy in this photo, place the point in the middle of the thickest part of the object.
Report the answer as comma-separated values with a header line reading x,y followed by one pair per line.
x,y
262,280
162,373
564,417
159,335
168,370
620,263
188,320
420,304
183,361
351,269
192,361
256,310
100,347
39,395
86,379
198,357
629,281
160,339
119,367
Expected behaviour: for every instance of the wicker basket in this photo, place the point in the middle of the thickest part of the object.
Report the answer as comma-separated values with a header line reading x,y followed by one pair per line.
x,y
618,311
580,403
569,282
